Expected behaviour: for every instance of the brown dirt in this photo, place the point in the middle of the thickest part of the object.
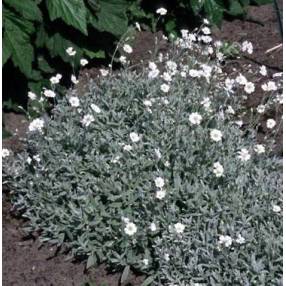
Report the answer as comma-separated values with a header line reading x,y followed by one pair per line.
x,y
25,263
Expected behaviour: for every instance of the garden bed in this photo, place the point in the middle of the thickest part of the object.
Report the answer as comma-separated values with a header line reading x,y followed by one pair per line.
x,y
26,264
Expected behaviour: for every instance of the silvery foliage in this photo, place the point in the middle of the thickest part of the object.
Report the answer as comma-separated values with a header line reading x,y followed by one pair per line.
x,y
86,185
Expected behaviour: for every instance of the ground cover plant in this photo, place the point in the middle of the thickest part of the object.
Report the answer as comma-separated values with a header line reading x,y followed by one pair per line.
x,y
150,170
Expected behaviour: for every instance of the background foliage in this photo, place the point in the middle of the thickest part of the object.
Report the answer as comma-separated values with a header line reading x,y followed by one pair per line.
x,y
37,32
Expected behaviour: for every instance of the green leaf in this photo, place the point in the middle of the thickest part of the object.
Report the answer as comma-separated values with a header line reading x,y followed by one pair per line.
x,y
196,5
44,65
27,8
91,54
91,261
235,8
111,16
125,274
170,26
148,281
214,11
73,12
17,40
6,52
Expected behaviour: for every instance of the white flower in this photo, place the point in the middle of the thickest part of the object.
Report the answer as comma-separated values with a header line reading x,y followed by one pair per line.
x,y
160,194
167,256
183,74
206,30
147,103
230,110
130,228
152,66
127,49
249,87
115,160
159,182
125,219
83,62
278,74
247,47
55,79
165,87
240,79
158,153
279,98
167,77
259,148
194,73
240,239
137,25
36,125
37,158
243,155
218,169
206,39
127,147
123,59
270,86
153,226
205,21
260,108
5,153
179,227
216,135
229,83
49,93
226,240
195,118
32,95
70,51
206,103
74,79
87,120
263,70
95,108
153,73
74,101
276,209
145,261
104,72
161,11
29,160
171,67
134,137
167,164
239,123
270,123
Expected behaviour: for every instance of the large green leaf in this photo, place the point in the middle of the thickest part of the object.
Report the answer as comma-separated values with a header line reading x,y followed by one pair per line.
x,y
214,11
235,8
6,52
196,5
27,8
17,41
73,12
110,16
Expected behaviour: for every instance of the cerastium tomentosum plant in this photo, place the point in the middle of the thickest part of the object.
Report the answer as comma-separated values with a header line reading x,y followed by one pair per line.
x,y
150,169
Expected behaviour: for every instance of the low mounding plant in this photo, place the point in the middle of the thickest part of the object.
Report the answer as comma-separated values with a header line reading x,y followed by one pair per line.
x,y
150,169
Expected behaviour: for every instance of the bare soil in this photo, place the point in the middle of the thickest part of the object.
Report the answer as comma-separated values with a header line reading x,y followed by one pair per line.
x,y
25,261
